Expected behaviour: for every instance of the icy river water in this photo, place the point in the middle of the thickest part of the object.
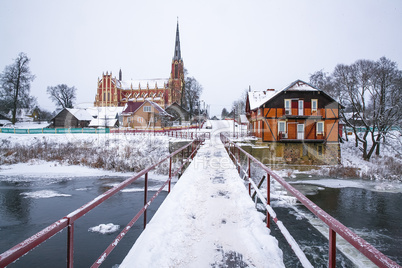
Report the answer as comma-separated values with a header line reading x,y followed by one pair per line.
x,y
27,205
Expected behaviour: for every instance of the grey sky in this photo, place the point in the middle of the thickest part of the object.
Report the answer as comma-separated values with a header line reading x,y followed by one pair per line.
x,y
226,45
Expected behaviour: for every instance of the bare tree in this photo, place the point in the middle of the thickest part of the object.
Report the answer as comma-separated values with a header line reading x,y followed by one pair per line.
x,y
15,83
62,95
371,93
325,82
193,91
386,98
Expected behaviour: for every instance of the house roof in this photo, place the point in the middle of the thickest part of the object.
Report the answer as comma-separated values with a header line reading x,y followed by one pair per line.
x,y
258,98
103,122
80,114
132,107
105,112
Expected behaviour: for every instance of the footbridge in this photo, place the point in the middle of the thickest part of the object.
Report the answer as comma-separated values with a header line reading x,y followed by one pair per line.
x,y
208,219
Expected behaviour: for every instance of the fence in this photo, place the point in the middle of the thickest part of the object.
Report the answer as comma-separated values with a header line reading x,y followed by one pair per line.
x,y
55,130
335,227
68,221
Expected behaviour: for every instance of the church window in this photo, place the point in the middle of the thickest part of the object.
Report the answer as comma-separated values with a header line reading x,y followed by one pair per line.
x,y
176,71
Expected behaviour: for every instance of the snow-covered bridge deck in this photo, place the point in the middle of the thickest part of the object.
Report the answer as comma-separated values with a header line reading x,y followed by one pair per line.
x,y
208,220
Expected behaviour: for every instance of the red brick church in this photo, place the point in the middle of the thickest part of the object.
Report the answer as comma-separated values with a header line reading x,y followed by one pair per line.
x,y
116,92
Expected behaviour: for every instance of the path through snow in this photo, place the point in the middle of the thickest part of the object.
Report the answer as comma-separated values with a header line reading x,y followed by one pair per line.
x,y
208,220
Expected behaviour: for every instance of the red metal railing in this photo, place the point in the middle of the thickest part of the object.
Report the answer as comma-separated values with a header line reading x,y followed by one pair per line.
x,y
68,221
335,227
175,133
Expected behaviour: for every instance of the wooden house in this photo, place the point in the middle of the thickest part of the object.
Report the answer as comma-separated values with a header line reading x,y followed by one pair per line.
x,y
179,114
71,118
299,113
144,115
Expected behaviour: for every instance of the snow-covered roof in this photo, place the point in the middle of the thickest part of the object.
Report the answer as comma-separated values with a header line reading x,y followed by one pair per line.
x,y
243,119
258,98
105,112
300,85
102,122
80,114
159,109
144,83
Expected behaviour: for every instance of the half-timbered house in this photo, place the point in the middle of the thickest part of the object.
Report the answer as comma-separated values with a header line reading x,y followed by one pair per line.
x,y
300,114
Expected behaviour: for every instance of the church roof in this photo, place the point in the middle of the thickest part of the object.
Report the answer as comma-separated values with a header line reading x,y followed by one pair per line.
x,y
144,83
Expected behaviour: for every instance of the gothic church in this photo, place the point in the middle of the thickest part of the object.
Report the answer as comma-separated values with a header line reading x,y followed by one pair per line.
x,y
117,92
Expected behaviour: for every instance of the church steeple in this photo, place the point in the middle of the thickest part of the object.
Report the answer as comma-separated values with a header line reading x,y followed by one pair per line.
x,y
177,52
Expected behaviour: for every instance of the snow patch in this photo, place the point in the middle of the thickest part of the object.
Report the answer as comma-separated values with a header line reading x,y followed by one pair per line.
x,y
108,228
44,194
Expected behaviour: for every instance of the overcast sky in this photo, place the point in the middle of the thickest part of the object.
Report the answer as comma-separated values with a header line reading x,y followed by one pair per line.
x,y
226,45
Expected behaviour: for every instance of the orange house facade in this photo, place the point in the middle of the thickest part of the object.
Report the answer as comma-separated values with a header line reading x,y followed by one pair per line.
x,y
300,122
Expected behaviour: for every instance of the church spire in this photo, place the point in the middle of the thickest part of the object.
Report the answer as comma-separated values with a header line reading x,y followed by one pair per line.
x,y
177,52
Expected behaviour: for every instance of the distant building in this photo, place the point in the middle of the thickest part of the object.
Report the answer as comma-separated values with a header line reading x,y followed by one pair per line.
x,y
299,121
178,113
71,118
112,91
144,115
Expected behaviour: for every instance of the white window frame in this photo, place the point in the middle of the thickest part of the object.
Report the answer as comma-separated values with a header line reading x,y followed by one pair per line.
x,y
147,109
289,108
140,119
320,132
279,128
316,105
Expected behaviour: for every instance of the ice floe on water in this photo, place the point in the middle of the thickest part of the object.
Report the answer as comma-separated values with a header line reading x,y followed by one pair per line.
x,y
44,194
378,186
108,228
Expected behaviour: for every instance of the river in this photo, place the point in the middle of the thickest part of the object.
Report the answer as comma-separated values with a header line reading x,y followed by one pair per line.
x,y
27,205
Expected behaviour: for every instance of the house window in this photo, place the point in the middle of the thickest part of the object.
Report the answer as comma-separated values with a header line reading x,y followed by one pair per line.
x,y
259,112
314,105
147,109
288,109
140,119
320,127
108,96
104,96
281,127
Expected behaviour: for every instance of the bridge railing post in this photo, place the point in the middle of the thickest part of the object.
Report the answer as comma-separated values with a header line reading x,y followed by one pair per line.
x,y
70,245
268,197
249,175
332,249
145,198
170,172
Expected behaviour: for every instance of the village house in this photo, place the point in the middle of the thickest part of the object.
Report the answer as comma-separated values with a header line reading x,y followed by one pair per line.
x,y
299,122
144,115
71,118
178,113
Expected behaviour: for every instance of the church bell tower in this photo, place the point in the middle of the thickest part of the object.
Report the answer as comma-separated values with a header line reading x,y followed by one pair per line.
x,y
176,80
